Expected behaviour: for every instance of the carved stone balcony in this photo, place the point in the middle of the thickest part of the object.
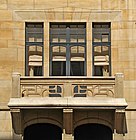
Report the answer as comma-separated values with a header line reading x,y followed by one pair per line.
x,y
67,86
69,96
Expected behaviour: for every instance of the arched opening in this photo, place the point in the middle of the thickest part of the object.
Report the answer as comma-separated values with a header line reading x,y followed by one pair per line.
x,y
42,132
92,132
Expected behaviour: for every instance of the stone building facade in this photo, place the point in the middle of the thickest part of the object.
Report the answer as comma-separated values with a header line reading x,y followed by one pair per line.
x,y
67,69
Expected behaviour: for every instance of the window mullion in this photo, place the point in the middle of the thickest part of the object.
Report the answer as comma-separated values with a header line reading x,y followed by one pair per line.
x,y
68,51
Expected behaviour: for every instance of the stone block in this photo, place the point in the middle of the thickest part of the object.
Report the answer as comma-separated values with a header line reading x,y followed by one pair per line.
x,y
19,34
3,43
21,6
21,54
123,44
123,54
126,25
10,53
2,115
129,74
8,115
133,4
20,2
5,125
125,34
11,25
91,4
125,14
115,26
5,34
50,15
6,15
123,4
110,5
114,54
131,125
115,35
59,15
5,94
16,44
45,4
6,135
4,74
3,4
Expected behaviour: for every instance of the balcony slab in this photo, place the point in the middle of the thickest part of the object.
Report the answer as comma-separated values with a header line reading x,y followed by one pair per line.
x,y
68,102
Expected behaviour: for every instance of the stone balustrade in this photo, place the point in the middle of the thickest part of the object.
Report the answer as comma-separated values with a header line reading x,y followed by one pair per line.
x,y
67,86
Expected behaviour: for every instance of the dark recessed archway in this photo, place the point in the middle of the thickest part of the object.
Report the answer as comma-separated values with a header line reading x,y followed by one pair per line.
x,y
92,132
42,132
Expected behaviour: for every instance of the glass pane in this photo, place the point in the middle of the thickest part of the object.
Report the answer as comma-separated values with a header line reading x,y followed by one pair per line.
x,y
35,37
101,55
58,68
101,50
55,38
37,50
62,38
97,38
98,71
74,49
37,71
77,52
97,50
105,37
101,70
76,68
81,49
73,38
58,52
35,56
81,38
56,49
105,50
81,31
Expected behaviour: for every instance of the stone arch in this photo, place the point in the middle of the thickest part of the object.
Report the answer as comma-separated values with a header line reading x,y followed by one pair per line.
x,y
103,117
31,117
94,121
42,121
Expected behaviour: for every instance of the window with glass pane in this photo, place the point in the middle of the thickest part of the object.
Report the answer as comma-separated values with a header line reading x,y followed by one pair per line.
x,y
101,42
67,49
34,49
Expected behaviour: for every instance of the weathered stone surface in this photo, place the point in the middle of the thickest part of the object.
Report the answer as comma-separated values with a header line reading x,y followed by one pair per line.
x,y
15,13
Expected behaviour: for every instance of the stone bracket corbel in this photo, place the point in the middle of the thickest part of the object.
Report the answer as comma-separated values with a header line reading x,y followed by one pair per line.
x,y
68,121
120,121
16,120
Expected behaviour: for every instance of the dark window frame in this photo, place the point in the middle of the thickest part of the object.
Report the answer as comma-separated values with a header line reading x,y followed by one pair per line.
x,y
31,43
101,28
67,44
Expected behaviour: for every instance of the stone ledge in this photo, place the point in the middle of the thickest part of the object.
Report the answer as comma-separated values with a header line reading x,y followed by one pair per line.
x,y
59,102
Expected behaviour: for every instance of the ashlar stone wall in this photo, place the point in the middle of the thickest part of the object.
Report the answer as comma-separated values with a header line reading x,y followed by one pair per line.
x,y
14,14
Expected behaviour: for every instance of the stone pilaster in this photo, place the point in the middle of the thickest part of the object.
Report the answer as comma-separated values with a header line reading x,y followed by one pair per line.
x,y
16,85
119,77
